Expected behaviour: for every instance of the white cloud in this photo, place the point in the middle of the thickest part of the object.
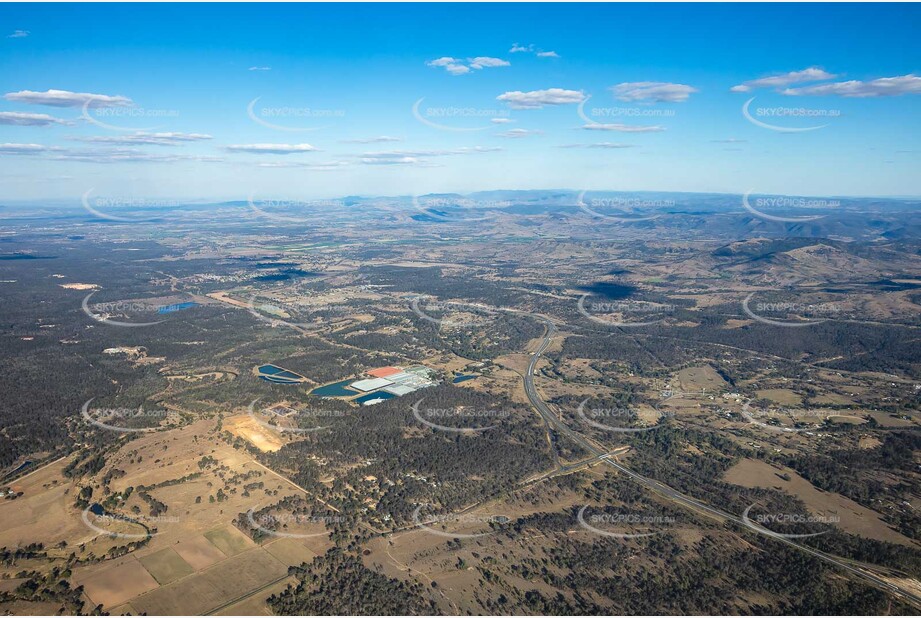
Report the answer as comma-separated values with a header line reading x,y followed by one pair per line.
x,y
23,119
421,154
18,34
730,140
451,65
536,99
623,128
655,92
419,157
127,155
390,161
475,150
442,62
501,120
373,140
259,69
457,66
317,167
481,62
531,49
65,98
882,87
812,74
600,145
271,148
146,139
519,133
105,155
23,149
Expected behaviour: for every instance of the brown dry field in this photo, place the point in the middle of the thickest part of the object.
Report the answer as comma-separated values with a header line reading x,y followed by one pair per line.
x,y
255,604
782,396
198,552
515,362
291,550
833,399
46,513
886,420
213,587
246,427
195,574
229,540
868,442
734,323
554,388
579,368
116,583
24,608
854,518
502,381
447,363
703,376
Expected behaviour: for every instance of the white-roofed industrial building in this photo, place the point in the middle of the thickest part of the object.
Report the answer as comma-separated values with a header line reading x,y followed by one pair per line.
x,y
399,389
370,384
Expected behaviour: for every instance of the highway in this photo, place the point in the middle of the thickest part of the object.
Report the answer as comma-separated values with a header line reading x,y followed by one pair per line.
x,y
674,495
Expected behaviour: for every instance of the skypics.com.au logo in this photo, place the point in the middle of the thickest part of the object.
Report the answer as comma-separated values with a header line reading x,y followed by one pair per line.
x,y
613,525
277,313
292,119
457,209
105,311
296,212
768,117
784,204
454,521
460,118
116,526
602,418
773,419
284,416
127,207
284,524
121,419
113,117
624,313
760,523
620,209
465,314
462,415
802,314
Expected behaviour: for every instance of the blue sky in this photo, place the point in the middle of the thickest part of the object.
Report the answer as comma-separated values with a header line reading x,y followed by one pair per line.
x,y
620,97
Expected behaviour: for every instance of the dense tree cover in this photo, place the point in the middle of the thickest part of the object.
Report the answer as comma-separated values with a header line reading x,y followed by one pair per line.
x,y
51,357
50,587
10,557
412,463
338,583
434,281
836,344
715,578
